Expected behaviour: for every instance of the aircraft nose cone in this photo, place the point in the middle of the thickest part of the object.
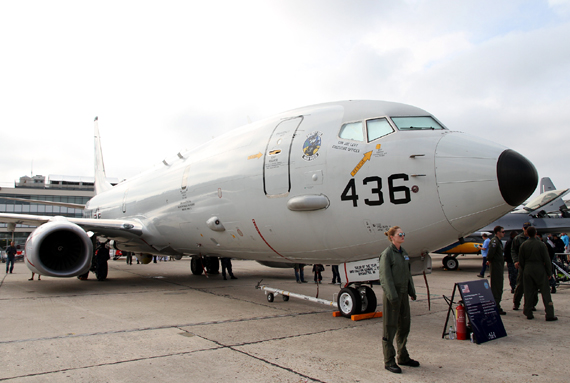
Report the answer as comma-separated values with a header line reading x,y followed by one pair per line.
x,y
517,177
478,181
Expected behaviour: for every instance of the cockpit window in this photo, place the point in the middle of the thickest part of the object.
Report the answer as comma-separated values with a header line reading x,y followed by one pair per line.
x,y
417,123
544,199
377,128
352,131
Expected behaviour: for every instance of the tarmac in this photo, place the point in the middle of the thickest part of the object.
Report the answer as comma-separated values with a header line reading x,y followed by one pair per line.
x,y
160,323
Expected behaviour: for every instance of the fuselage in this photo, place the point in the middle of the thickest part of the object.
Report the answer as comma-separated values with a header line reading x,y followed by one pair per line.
x,y
319,184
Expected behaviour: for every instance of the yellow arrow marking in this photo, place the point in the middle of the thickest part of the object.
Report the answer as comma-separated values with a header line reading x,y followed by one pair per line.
x,y
367,156
258,155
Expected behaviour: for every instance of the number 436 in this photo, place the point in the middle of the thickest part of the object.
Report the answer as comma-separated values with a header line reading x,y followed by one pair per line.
x,y
350,194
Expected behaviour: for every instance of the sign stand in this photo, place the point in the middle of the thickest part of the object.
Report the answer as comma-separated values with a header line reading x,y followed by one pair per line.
x,y
481,310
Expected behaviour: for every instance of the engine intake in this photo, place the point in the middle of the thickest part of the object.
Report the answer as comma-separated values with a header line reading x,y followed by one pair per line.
x,y
59,248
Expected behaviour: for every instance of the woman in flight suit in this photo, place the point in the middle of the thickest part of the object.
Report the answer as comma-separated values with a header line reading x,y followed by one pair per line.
x,y
397,283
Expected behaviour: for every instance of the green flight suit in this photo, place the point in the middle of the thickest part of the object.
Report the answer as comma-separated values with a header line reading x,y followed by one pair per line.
x,y
497,268
536,267
397,284
519,289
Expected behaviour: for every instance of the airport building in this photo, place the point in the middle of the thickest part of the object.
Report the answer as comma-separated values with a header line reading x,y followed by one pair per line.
x,y
55,188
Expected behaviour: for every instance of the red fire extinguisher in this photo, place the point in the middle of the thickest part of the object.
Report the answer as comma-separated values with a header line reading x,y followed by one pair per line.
x,y
460,325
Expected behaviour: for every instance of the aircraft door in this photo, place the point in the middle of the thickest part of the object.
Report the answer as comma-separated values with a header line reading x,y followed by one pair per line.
x,y
276,162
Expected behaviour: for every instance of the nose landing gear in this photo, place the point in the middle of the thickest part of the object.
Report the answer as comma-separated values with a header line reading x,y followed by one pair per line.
x,y
356,300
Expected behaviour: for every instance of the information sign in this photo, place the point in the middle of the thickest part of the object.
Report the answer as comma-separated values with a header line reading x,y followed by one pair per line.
x,y
482,310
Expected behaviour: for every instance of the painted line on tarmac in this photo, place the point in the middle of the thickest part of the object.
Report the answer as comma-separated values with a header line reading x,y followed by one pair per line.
x,y
219,345
161,327
273,364
108,364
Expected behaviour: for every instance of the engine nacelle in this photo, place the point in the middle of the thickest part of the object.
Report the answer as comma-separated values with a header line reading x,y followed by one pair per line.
x,y
59,248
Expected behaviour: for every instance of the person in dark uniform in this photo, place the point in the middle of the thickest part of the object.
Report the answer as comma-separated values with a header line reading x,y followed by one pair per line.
x,y
397,284
513,272
519,290
536,269
300,272
558,247
103,255
11,252
552,255
227,265
317,269
336,275
496,263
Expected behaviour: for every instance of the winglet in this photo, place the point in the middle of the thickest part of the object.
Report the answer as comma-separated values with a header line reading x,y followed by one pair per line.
x,y
101,183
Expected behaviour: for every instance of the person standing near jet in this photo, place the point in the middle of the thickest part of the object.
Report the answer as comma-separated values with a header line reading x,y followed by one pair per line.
x,y
513,272
300,272
336,275
317,269
496,263
129,257
10,257
519,290
484,250
559,247
566,240
550,246
397,284
32,278
227,265
536,269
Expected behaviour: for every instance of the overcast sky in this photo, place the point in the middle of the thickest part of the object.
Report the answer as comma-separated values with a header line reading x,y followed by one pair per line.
x,y
167,76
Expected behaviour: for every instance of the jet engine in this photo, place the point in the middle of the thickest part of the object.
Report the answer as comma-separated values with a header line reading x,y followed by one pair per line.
x,y
59,248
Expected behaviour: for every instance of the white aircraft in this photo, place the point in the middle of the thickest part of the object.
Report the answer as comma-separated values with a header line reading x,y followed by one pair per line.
x,y
319,184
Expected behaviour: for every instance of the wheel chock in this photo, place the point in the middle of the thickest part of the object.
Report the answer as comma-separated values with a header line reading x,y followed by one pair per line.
x,y
357,317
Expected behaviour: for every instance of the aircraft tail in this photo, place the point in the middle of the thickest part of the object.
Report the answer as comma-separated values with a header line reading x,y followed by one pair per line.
x,y
101,183
546,184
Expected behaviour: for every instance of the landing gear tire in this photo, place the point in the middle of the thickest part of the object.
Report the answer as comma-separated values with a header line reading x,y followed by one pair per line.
x,y
450,263
270,297
285,298
212,265
369,300
349,302
196,266
102,270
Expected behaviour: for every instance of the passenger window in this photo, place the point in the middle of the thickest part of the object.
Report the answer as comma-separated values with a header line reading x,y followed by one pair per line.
x,y
378,128
352,131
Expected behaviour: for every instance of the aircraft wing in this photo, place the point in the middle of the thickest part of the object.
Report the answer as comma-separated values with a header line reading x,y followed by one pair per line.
x,y
24,219
107,227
